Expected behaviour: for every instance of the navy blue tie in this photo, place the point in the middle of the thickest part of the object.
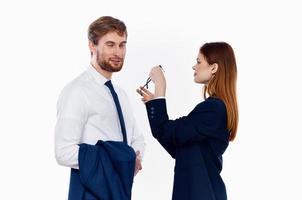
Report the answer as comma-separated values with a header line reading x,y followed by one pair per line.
x,y
119,110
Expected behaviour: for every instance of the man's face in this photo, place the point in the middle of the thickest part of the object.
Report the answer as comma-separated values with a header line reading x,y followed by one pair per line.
x,y
110,52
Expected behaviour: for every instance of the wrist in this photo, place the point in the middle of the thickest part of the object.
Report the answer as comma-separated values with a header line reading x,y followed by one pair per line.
x,y
160,92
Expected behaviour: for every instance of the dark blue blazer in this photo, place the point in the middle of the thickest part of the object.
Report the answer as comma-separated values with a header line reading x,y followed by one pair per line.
x,y
106,172
197,142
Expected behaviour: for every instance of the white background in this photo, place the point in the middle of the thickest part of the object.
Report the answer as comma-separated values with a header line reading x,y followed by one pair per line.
x,y
43,45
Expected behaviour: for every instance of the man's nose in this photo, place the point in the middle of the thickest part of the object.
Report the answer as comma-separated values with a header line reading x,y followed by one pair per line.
x,y
118,51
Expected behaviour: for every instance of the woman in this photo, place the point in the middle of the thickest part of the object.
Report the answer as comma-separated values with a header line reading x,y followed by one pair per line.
x,y
198,140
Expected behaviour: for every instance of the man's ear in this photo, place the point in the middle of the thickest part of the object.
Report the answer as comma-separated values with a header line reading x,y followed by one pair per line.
x,y
92,47
214,68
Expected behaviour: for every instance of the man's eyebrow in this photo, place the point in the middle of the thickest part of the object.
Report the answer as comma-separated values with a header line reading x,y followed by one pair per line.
x,y
112,42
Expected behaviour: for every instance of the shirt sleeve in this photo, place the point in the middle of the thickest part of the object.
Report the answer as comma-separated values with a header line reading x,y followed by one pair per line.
x,y
71,119
207,120
137,141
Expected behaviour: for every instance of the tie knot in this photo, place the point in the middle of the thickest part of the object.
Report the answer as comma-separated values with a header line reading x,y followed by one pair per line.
x,y
109,85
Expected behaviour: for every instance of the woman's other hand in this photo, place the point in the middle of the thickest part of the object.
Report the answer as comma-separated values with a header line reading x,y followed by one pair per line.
x,y
146,94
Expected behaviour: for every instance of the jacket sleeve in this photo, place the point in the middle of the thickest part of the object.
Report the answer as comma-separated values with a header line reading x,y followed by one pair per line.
x,y
207,120
165,143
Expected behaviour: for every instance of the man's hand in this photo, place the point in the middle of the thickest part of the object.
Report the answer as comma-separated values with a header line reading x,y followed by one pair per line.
x,y
138,164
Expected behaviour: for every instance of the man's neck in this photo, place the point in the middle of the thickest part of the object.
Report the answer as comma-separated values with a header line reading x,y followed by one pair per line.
x,y
105,73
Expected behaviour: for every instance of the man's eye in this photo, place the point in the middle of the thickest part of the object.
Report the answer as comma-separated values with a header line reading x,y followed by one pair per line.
x,y
110,45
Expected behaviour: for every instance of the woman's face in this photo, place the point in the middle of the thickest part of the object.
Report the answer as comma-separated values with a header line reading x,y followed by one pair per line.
x,y
203,70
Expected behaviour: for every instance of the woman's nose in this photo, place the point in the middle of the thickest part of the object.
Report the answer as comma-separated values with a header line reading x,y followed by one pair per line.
x,y
193,67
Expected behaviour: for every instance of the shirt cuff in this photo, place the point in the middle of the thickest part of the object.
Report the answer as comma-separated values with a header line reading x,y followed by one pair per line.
x,y
162,97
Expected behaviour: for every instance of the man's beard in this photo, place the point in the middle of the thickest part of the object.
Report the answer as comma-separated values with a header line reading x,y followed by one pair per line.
x,y
107,66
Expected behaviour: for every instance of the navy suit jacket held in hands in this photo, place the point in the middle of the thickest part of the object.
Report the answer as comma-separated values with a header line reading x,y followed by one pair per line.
x,y
106,172
196,142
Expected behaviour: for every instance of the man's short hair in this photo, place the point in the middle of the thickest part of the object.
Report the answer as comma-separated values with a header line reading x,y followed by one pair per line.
x,y
104,25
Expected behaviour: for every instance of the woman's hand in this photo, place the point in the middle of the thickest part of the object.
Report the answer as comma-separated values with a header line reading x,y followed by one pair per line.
x,y
146,94
158,78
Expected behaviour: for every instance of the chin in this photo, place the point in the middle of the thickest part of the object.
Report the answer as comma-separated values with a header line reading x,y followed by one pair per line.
x,y
117,67
197,81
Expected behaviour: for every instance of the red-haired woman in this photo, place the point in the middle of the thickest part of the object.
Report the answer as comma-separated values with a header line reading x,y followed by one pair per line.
x,y
197,141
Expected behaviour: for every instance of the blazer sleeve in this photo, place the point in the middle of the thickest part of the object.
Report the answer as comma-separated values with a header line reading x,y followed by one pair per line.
x,y
165,143
206,120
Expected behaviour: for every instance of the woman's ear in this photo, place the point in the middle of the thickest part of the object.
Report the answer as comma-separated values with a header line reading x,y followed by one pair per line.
x,y
214,68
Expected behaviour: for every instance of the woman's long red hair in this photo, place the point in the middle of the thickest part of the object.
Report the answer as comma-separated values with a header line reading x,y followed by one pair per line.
x,y
223,83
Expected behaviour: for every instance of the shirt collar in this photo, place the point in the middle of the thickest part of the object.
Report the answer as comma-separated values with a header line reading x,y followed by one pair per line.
x,y
98,77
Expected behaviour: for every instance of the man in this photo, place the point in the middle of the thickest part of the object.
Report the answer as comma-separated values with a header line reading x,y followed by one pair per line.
x,y
86,112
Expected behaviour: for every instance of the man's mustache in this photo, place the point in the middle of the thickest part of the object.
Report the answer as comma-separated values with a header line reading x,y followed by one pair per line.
x,y
116,58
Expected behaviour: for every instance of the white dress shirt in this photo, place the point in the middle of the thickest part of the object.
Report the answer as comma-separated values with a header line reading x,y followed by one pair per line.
x,y
86,113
